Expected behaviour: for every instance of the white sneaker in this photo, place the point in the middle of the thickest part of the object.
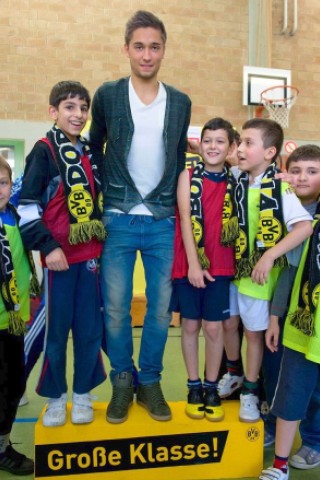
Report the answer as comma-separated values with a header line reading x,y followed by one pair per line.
x,y
24,400
56,413
82,409
272,473
228,384
249,411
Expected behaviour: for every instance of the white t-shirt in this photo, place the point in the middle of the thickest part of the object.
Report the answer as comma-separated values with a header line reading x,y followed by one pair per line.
x,y
146,159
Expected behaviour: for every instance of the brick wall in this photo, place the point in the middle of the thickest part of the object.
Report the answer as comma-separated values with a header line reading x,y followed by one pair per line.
x,y
42,42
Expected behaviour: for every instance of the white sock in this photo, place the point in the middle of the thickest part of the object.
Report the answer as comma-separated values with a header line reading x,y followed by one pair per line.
x,y
4,442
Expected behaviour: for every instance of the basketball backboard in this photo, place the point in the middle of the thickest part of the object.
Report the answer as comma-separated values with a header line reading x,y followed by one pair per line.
x,y
257,79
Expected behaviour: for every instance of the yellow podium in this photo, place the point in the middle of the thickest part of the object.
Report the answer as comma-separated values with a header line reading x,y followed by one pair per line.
x,y
144,449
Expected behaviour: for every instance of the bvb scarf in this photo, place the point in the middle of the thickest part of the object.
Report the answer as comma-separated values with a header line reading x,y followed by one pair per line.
x,y
303,317
8,281
271,223
84,211
229,219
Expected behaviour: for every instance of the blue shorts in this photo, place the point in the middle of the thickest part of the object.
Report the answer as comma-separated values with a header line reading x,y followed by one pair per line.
x,y
298,379
210,303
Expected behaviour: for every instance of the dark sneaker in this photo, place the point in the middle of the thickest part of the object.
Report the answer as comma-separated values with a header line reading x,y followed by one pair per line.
x,y
195,405
122,398
151,398
15,462
213,409
305,458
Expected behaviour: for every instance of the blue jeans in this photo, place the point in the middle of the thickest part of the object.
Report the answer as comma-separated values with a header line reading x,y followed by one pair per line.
x,y
298,395
128,234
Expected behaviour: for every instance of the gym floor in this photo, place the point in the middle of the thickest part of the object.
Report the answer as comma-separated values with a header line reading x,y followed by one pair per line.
x,y
174,387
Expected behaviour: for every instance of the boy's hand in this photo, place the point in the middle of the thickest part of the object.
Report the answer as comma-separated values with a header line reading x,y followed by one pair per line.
x,y
285,177
272,334
262,268
56,260
193,147
196,276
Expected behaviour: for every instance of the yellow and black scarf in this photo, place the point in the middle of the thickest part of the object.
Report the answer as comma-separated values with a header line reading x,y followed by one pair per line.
x,y
229,217
271,223
8,281
309,289
84,211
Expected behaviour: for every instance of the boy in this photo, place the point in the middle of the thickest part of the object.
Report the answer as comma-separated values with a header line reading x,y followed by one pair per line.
x,y
267,210
60,217
204,264
139,173
298,391
14,312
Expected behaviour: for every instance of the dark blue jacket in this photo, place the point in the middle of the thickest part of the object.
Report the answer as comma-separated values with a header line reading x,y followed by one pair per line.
x,y
112,123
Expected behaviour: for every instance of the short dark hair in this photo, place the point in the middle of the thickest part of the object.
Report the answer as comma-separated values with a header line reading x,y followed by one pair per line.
x,y
68,89
219,123
4,165
271,131
144,19
304,152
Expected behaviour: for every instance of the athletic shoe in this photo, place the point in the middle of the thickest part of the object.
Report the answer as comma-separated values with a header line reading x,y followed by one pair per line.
x,y
269,439
228,384
305,458
82,409
249,411
16,463
195,405
122,398
212,405
56,412
272,473
151,398
23,400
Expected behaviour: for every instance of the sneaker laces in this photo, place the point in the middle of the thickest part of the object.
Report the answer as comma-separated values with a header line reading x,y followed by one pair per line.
x,y
57,403
83,400
156,396
121,396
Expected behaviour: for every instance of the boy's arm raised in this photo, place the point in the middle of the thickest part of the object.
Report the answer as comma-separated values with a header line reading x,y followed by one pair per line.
x,y
300,232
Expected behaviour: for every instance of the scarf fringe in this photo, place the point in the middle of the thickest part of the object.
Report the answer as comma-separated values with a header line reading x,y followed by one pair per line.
x,y
35,286
230,231
203,259
84,232
243,268
303,321
16,324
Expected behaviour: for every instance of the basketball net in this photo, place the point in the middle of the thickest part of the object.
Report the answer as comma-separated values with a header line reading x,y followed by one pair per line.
x,y
278,101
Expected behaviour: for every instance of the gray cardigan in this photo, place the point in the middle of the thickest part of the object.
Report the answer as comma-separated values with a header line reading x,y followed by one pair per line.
x,y
112,124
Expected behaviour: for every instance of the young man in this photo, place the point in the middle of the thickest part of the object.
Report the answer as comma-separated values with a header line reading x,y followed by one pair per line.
x,y
144,124
60,217
298,391
271,222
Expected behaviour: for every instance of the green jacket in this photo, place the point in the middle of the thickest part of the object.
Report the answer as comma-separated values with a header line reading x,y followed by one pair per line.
x,y
112,124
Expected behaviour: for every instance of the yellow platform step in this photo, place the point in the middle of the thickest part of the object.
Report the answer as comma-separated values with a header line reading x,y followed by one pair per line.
x,y
144,449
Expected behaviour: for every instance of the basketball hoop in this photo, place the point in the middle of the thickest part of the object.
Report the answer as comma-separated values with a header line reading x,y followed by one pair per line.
x,y
278,101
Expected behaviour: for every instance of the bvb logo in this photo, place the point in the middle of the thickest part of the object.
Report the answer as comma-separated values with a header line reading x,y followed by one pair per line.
x,y
80,204
241,243
315,295
197,230
253,434
270,231
13,289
